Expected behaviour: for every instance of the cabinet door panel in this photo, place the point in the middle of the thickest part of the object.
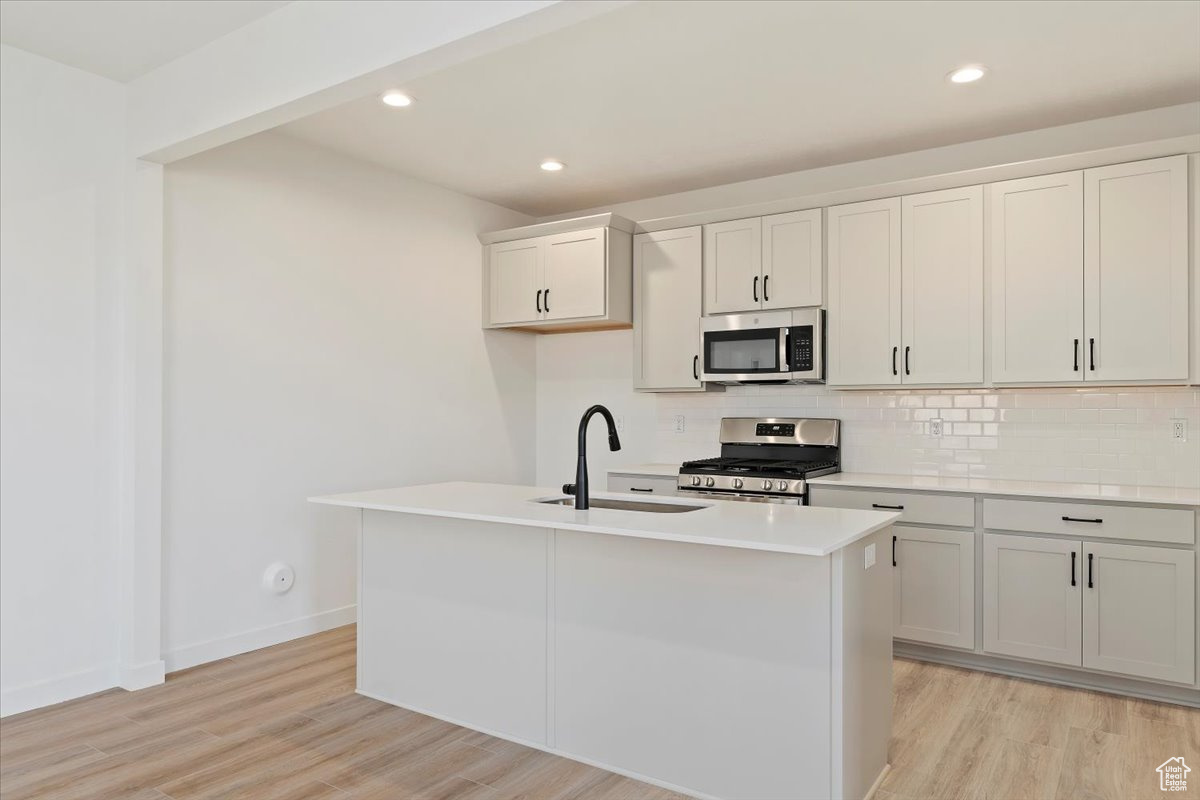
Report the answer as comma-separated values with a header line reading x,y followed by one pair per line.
x,y
1037,279
1030,608
514,279
934,586
791,260
1139,611
1136,270
942,280
864,292
575,274
666,309
733,266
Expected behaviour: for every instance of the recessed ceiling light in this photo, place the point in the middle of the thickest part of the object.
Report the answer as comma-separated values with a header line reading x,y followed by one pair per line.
x,y
396,99
550,165
968,74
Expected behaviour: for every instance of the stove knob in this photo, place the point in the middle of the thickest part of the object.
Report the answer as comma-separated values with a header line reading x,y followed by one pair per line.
x,y
709,482
783,486
695,480
767,485
737,483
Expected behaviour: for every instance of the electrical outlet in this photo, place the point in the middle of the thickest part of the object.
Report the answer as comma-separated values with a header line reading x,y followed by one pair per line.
x,y
869,557
1179,430
935,427
680,423
620,420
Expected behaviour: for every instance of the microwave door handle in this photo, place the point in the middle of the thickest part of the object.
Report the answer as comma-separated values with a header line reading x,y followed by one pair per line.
x,y
783,349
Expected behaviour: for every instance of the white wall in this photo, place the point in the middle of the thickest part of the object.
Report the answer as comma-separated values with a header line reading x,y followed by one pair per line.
x,y
61,199
322,336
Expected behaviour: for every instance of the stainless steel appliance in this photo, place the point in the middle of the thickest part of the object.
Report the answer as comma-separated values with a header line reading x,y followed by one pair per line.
x,y
766,460
769,347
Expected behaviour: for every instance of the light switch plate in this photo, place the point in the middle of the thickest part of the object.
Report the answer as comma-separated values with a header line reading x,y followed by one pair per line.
x,y
869,556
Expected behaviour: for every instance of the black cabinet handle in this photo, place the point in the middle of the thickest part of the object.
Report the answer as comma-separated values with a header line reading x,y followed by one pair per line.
x,y
756,288
1077,355
906,349
895,351
1092,353
1096,521
1072,567
539,301
765,295
547,301
636,489
695,368
889,508
1090,584
893,550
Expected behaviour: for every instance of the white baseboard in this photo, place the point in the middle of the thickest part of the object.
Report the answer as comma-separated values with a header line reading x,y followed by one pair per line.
x,y
57,690
215,649
141,676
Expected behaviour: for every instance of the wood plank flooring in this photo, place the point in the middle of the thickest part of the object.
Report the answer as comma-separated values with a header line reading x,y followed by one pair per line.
x,y
284,723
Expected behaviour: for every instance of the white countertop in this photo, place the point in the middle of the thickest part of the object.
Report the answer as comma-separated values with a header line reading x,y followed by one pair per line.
x,y
1160,495
750,526
649,470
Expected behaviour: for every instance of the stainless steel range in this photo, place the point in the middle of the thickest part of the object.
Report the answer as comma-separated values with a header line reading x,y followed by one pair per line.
x,y
766,460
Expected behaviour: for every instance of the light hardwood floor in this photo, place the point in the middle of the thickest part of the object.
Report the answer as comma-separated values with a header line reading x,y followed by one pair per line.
x,y
284,723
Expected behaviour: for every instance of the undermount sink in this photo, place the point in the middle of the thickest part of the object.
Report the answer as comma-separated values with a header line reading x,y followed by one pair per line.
x,y
626,505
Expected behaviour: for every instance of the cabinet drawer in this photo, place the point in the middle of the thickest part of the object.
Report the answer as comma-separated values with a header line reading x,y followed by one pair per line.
x,y
913,507
1092,520
641,484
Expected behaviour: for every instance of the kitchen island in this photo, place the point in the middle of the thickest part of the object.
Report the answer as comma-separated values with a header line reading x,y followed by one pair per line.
x,y
731,650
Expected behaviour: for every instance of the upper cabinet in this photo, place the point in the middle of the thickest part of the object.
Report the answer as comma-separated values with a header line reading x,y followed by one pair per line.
x,y
906,290
763,263
560,276
1089,275
666,310
1135,271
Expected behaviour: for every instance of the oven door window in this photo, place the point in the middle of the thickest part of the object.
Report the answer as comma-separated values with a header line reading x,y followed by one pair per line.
x,y
741,352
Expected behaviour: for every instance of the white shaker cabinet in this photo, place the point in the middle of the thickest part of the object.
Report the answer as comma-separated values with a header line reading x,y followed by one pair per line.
x,y
575,275
864,293
792,269
1139,611
1032,605
733,266
1037,279
942,286
1136,270
933,584
666,310
514,272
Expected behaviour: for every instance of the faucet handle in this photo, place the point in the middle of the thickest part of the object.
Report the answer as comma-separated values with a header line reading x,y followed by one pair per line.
x,y
568,488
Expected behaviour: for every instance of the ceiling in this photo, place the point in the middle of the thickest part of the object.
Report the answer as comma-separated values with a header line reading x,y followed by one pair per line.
x,y
661,97
122,39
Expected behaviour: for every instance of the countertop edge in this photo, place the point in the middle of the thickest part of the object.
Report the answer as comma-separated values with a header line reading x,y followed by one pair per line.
x,y
903,483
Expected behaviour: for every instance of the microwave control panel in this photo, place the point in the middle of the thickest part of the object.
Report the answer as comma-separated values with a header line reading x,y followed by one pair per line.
x,y
802,348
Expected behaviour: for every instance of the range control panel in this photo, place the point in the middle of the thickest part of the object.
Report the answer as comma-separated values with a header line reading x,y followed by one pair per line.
x,y
775,429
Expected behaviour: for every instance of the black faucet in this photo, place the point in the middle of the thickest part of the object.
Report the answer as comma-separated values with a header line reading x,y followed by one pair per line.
x,y
580,487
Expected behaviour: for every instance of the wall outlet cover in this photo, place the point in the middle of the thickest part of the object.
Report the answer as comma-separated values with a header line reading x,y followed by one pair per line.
x,y
1179,430
680,423
869,556
935,427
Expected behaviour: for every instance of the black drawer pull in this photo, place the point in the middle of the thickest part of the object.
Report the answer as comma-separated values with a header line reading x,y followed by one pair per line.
x,y
1080,519
636,489
889,508
1090,585
1072,567
893,551
1092,353
1077,355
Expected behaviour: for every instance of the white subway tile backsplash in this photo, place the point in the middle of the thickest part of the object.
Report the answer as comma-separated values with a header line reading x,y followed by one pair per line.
x,y
1120,437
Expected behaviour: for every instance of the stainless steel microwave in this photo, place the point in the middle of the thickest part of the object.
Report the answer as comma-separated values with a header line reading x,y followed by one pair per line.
x,y
770,347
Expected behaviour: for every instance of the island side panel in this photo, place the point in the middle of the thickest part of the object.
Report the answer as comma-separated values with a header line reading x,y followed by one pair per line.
x,y
453,620
862,663
702,667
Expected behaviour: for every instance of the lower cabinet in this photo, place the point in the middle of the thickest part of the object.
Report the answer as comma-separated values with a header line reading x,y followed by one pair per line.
x,y
1119,608
933,586
1139,611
